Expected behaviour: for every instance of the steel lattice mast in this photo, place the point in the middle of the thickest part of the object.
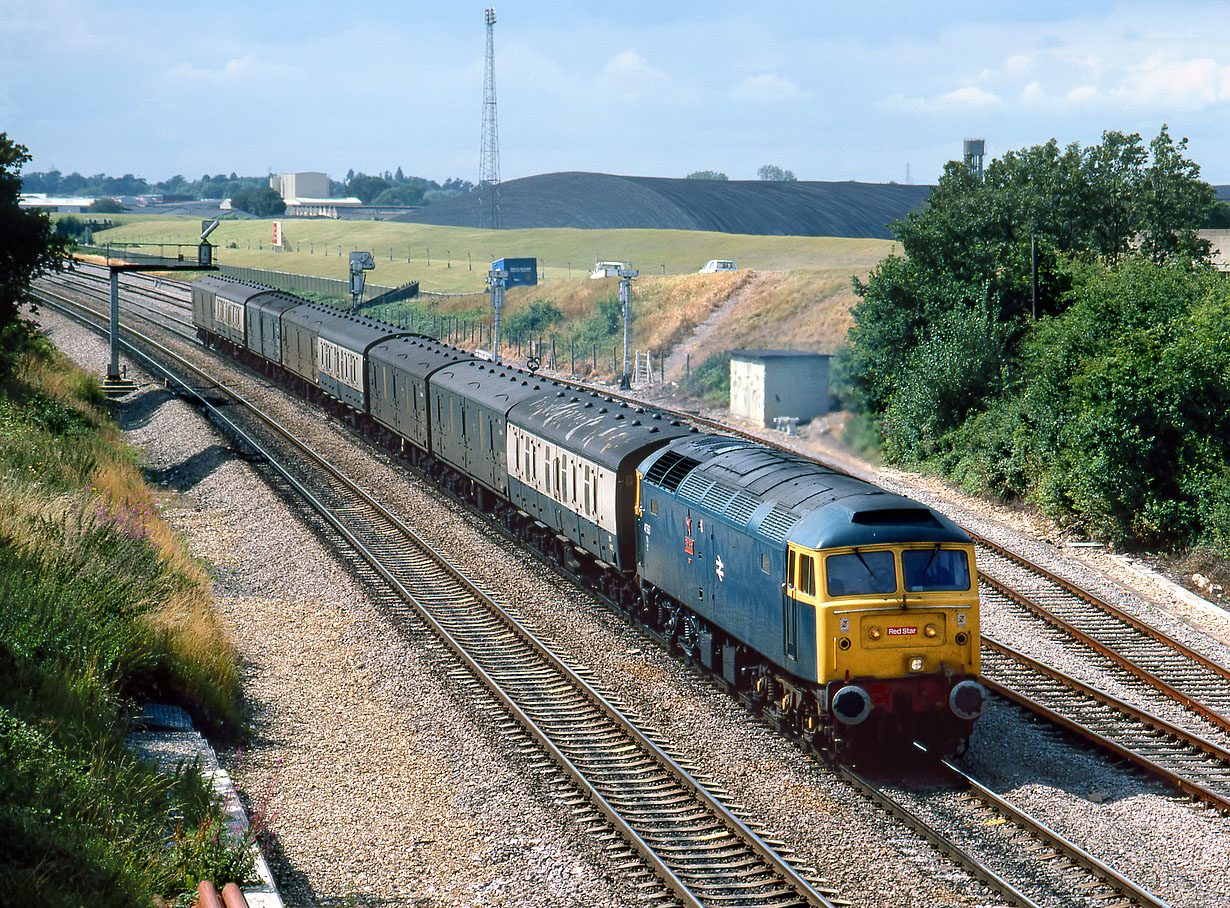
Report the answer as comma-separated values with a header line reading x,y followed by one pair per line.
x,y
489,158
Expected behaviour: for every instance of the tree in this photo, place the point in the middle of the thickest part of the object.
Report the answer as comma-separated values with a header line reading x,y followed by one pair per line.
x,y
773,172
28,247
366,188
401,194
105,205
976,244
1173,204
706,175
262,202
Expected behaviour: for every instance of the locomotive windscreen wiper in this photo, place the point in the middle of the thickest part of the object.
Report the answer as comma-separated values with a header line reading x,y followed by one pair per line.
x,y
859,556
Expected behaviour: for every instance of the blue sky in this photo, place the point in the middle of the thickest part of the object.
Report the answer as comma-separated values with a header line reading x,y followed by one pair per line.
x,y
832,91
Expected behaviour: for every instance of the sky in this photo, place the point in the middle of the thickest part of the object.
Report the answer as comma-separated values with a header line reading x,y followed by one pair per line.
x,y
875,91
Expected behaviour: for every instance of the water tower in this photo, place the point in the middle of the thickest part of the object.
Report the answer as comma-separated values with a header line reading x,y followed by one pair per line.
x,y
974,150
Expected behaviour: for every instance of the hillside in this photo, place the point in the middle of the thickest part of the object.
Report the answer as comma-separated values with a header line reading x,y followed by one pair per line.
x,y
756,207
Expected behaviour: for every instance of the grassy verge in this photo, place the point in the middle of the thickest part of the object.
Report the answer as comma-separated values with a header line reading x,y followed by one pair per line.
x,y
100,609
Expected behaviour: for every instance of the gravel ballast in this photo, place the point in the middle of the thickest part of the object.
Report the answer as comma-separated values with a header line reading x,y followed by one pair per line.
x,y
388,785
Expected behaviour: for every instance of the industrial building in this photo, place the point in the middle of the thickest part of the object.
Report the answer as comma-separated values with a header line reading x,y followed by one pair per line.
x,y
306,195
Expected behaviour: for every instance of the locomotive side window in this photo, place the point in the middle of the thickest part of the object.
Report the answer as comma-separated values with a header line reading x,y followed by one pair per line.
x,y
765,563
931,570
861,573
653,506
807,575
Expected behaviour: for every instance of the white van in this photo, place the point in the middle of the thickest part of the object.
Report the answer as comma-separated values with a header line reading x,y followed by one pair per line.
x,y
714,265
607,269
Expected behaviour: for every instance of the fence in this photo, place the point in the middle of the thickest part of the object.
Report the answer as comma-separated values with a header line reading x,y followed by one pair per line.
x,y
299,283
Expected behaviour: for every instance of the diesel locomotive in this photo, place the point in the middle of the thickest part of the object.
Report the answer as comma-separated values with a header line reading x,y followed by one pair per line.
x,y
847,614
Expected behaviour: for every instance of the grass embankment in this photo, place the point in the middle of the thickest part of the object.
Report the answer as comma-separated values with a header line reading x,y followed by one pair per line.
x,y
791,292
460,257
101,609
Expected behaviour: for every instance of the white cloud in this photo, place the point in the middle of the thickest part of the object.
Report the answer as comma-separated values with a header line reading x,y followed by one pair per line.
x,y
629,77
239,70
767,89
969,97
1174,84
961,99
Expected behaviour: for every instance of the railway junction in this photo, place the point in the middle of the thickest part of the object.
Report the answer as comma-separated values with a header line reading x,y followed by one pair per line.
x,y
399,779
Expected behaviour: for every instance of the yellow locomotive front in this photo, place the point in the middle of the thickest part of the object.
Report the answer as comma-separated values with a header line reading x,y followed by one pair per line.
x,y
897,641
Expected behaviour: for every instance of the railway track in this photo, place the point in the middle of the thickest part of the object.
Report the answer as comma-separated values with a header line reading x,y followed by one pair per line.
x,y
1190,762
1192,680
1045,868
647,776
699,850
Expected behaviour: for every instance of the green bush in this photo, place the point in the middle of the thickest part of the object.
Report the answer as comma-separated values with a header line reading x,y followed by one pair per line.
x,y
1118,419
710,381
949,375
533,322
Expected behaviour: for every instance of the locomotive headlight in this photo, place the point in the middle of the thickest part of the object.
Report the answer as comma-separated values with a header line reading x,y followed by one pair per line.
x,y
874,633
916,663
930,630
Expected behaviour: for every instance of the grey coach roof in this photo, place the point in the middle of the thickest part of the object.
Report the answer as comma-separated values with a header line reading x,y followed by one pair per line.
x,y
600,429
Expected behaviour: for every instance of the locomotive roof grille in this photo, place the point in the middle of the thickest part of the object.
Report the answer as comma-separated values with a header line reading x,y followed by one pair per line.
x,y
778,523
670,469
695,487
741,508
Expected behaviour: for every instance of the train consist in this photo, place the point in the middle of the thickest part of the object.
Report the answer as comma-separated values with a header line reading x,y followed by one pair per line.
x,y
848,614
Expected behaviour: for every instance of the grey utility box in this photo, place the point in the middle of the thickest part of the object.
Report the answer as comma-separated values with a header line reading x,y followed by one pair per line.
x,y
768,384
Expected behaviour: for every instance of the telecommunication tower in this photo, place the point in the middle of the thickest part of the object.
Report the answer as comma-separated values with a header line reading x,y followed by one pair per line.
x,y
489,158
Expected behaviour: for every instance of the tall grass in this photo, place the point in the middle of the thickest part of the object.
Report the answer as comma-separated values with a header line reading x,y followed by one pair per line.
x,y
101,609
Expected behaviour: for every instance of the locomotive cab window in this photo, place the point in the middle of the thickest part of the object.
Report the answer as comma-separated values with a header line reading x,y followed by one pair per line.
x,y
935,570
861,574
